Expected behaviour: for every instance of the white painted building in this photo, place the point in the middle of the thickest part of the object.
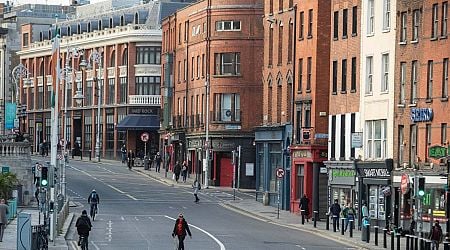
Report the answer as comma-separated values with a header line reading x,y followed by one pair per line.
x,y
377,79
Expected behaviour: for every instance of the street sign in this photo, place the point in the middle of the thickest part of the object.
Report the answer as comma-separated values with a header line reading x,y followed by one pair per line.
x,y
404,184
5,169
38,171
145,136
280,173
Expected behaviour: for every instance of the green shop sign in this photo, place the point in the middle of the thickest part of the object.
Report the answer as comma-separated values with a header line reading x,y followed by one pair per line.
x,y
437,152
343,173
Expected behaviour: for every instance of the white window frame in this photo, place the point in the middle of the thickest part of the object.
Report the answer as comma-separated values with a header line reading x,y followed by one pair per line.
x,y
401,149
402,82
385,72
435,21
221,25
372,140
369,75
430,69
370,17
386,15
444,19
445,78
404,27
416,25
414,81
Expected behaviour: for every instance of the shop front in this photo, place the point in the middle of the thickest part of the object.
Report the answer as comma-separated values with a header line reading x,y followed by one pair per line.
x,y
342,183
374,189
433,203
309,177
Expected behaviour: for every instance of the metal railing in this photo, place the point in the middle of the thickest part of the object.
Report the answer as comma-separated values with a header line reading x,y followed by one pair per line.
x,y
145,99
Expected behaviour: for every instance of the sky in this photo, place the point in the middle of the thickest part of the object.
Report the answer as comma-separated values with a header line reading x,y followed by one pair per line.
x,y
52,2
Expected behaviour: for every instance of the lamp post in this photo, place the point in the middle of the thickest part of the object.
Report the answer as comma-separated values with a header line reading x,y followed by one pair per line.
x,y
18,72
207,146
96,57
67,72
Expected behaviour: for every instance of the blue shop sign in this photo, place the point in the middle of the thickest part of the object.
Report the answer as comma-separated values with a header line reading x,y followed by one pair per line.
x,y
421,114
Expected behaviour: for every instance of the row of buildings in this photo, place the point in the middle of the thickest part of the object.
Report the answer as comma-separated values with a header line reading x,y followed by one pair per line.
x,y
346,96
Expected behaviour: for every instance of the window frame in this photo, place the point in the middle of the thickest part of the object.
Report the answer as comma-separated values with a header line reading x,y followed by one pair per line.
x,y
334,69
369,75
444,17
385,72
403,27
336,25
416,25
344,23
372,140
235,63
354,20
434,21
353,75
430,80
344,76
370,17
310,23
414,81
221,25
386,15
402,92
445,67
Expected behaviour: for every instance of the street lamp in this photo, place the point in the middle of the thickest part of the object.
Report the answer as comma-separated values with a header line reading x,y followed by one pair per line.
x,y
67,73
18,72
96,57
207,146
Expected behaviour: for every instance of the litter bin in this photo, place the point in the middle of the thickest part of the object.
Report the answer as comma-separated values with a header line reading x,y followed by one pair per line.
x,y
146,163
365,230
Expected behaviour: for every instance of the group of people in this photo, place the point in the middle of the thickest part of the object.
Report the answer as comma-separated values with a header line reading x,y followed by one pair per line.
x,y
83,223
180,169
130,157
43,148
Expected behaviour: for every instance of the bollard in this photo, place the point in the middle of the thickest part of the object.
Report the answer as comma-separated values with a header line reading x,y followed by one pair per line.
x,y
416,243
392,241
368,233
90,155
327,227
352,222
385,237
334,223
316,217
421,244
81,155
398,241
303,216
407,241
376,235
342,226
446,245
428,244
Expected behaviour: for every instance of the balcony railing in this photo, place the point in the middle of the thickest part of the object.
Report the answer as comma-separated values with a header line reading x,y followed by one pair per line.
x,y
145,100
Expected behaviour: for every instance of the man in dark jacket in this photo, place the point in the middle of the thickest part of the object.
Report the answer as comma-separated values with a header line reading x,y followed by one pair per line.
x,y
436,235
180,229
335,211
177,171
304,207
83,226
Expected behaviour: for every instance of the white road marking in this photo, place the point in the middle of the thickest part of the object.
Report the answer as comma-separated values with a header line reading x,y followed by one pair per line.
x,y
300,247
96,247
184,207
222,247
136,218
151,218
132,197
121,217
118,190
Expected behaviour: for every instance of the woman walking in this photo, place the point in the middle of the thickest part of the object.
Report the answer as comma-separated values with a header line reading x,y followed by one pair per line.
x,y
196,186
180,229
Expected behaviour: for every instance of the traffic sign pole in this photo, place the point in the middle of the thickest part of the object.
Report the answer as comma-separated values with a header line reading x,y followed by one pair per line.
x,y
280,174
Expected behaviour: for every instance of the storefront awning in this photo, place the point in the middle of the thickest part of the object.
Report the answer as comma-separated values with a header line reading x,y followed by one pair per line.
x,y
139,122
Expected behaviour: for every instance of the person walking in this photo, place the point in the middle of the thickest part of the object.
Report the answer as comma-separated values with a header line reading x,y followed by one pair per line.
x,y
349,215
436,235
180,229
304,207
3,219
123,150
335,211
177,171
130,159
184,170
158,161
196,186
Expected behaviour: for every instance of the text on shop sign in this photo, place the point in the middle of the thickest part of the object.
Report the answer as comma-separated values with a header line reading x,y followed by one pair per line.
x,y
376,172
343,173
421,114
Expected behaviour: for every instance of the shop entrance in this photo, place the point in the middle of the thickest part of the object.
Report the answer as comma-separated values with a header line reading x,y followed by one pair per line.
x,y
226,172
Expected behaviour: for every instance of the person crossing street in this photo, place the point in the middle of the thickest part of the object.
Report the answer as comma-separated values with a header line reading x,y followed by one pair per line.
x,y
180,229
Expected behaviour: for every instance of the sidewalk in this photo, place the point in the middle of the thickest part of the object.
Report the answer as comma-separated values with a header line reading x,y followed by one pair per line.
x,y
10,236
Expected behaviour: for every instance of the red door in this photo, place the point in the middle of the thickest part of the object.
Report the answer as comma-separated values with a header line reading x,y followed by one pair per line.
x,y
226,172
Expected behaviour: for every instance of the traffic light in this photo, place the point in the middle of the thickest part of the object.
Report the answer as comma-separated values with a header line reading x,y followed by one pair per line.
x,y
44,177
421,189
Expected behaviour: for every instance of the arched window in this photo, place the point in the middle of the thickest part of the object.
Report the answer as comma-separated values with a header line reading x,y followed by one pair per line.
x,y
136,18
113,59
269,98
125,57
41,68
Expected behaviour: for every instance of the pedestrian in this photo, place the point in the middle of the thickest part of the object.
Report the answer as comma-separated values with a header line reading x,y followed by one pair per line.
x,y
123,150
158,161
177,171
184,170
196,186
180,229
436,235
3,219
45,148
349,215
335,211
304,207
130,159
41,149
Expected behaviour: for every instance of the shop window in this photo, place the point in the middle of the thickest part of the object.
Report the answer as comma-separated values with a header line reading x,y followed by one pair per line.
x,y
274,163
260,166
300,181
377,206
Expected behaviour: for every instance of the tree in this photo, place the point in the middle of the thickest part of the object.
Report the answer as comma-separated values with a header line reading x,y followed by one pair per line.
x,y
8,181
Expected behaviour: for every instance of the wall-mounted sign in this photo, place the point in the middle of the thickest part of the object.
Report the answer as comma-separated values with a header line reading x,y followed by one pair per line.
x,y
437,152
342,176
10,115
301,153
374,172
357,140
421,114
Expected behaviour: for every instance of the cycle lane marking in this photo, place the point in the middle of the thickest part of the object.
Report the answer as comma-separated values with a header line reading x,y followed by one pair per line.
x,y
222,247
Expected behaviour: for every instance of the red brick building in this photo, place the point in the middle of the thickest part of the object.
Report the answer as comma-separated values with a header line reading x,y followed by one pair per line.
x,y
344,99
422,110
212,58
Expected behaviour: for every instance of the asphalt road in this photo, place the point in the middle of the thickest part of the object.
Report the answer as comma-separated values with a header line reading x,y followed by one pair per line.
x,y
137,212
